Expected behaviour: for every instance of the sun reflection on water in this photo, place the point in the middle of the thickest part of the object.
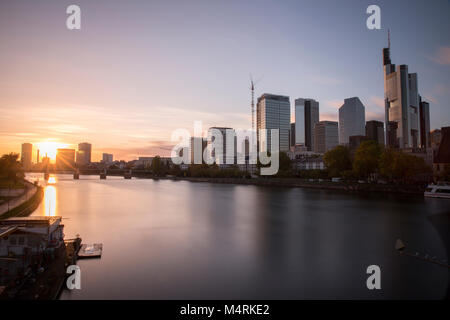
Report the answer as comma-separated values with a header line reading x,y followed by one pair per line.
x,y
50,200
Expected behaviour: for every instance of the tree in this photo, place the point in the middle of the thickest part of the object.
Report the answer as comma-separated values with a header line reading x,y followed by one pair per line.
x,y
367,159
337,160
285,167
175,170
386,166
158,167
10,167
397,165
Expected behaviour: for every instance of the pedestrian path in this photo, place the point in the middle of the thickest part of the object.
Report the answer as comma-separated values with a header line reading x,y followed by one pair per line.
x,y
17,201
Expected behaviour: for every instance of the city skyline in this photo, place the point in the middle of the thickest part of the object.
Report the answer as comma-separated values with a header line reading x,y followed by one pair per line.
x,y
54,103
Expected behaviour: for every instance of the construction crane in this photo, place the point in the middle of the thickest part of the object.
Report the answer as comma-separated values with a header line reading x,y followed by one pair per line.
x,y
389,38
252,89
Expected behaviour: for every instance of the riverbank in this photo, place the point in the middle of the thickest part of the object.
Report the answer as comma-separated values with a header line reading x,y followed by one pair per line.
x,y
299,183
24,204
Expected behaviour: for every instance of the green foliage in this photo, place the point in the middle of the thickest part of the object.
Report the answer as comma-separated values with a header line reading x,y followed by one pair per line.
x,y
367,158
213,171
386,165
370,159
337,160
10,167
285,167
397,165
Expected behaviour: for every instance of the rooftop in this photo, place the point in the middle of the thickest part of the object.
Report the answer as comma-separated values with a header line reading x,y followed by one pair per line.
x,y
34,220
269,96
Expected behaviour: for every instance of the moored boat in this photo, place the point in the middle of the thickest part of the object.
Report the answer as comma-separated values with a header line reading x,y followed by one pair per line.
x,y
440,190
90,251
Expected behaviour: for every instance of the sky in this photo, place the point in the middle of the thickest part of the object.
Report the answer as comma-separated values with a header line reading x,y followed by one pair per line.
x,y
137,70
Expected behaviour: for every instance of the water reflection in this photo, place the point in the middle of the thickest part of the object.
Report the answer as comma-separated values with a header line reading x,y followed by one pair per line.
x,y
50,200
180,240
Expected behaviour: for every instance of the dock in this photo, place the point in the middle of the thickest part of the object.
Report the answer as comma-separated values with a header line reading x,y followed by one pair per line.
x,y
90,251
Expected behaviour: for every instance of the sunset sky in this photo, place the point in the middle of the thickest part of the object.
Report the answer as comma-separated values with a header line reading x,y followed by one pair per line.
x,y
137,70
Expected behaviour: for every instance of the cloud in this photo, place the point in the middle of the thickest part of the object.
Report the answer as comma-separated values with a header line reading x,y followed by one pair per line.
x,y
377,101
335,104
442,56
370,115
141,131
438,93
375,108
161,148
329,109
330,116
430,99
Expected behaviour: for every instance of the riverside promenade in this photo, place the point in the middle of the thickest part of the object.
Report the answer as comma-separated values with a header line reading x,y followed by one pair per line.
x,y
19,198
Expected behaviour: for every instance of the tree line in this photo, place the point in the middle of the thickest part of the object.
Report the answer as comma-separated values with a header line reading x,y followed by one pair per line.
x,y
372,161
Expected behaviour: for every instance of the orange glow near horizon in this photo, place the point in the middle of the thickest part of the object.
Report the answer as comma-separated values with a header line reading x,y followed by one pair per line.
x,y
48,148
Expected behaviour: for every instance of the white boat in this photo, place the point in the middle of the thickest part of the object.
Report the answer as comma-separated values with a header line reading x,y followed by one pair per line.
x,y
440,190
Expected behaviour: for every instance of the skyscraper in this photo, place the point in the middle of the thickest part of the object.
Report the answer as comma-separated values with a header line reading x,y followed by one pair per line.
x,y
325,136
306,117
425,139
401,103
273,112
65,159
375,131
435,138
352,119
84,153
391,135
26,155
292,135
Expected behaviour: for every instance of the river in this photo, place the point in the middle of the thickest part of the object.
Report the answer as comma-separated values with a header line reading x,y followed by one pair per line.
x,y
167,239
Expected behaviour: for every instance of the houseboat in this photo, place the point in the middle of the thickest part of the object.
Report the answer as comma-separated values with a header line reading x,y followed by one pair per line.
x,y
32,257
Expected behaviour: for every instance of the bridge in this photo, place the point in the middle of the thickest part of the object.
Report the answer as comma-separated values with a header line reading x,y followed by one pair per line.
x,y
102,173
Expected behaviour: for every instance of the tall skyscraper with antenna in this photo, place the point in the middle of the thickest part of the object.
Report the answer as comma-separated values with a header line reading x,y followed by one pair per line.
x,y
401,103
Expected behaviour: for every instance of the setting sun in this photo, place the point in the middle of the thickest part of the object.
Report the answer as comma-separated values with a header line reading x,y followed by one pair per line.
x,y
48,148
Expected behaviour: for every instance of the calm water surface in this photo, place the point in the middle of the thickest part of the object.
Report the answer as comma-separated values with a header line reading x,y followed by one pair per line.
x,y
182,240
